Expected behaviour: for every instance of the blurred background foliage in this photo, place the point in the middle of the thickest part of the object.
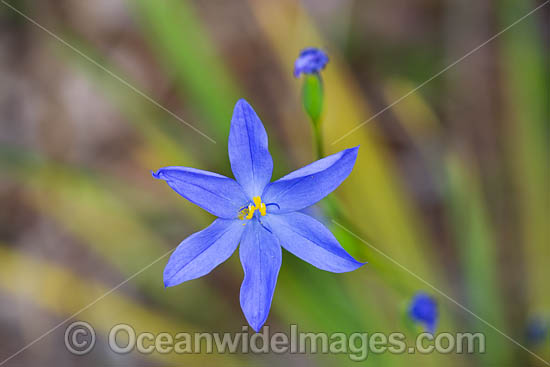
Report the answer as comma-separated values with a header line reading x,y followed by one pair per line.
x,y
451,182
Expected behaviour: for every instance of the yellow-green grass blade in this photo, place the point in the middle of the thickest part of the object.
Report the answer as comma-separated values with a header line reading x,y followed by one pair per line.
x,y
182,45
478,256
62,293
526,74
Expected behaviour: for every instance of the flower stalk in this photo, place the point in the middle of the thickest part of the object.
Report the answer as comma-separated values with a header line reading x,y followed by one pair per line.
x,y
310,62
312,99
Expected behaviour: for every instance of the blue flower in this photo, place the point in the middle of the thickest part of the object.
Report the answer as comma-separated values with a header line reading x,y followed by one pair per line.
x,y
260,215
423,309
310,61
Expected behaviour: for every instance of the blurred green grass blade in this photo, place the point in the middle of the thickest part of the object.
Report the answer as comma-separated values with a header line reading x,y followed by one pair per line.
x,y
526,79
63,293
181,43
478,256
414,113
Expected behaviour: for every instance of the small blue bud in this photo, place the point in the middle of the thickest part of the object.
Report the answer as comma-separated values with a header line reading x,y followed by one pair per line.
x,y
310,61
423,310
536,330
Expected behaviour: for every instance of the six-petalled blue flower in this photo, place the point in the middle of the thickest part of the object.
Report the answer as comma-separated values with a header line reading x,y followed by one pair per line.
x,y
310,61
260,215
423,309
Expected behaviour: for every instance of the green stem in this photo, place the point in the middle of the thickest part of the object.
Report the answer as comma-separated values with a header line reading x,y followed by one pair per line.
x,y
318,135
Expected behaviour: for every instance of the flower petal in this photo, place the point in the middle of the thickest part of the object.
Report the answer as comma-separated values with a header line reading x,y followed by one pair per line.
x,y
261,258
309,184
311,241
201,252
215,193
250,160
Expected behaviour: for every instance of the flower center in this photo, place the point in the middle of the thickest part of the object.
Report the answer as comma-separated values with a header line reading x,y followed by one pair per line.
x,y
248,211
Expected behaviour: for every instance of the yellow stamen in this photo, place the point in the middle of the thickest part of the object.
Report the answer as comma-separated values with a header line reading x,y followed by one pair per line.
x,y
257,201
248,212
251,210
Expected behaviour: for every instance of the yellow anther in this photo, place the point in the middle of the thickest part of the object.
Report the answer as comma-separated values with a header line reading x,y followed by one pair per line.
x,y
257,201
248,212
242,213
259,205
251,210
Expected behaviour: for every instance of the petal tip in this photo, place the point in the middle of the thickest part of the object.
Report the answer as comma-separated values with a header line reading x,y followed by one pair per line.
x,y
354,149
255,320
357,264
167,279
351,267
167,283
353,152
242,103
257,326
156,174
170,283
